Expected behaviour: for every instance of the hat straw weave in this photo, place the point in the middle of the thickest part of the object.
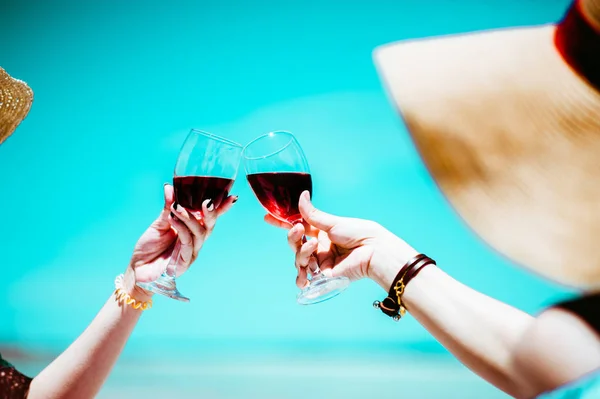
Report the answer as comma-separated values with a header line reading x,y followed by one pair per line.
x,y
15,101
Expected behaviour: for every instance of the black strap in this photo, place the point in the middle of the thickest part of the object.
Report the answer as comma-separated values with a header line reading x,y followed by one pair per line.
x,y
392,305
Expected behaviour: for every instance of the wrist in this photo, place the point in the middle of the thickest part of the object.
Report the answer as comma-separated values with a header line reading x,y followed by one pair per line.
x,y
140,294
394,304
384,276
392,257
130,287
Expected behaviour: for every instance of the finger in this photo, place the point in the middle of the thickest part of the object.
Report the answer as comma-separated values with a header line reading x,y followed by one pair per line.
x,y
190,220
226,205
325,255
193,225
305,262
313,266
305,253
186,238
295,237
273,221
313,216
302,278
209,216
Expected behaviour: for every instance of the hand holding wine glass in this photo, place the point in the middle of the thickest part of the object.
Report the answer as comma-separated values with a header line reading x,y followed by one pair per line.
x,y
278,173
155,247
345,247
204,174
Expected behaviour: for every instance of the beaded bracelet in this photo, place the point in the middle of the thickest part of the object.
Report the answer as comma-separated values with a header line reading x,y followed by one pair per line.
x,y
122,296
393,305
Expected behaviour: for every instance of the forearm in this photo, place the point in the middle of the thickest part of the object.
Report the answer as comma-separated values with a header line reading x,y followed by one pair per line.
x,y
481,332
80,371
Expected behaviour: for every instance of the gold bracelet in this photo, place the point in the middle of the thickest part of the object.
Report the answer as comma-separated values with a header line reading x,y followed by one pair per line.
x,y
122,296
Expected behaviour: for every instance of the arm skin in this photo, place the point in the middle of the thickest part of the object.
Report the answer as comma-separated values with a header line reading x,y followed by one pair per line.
x,y
520,354
80,371
481,332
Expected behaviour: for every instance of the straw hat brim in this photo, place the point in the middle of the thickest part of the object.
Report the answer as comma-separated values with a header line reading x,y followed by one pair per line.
x,y
511,135
15,101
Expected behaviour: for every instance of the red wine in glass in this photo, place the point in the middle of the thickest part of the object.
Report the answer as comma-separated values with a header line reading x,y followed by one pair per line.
x,y
279,192
192,191
205,169
278,173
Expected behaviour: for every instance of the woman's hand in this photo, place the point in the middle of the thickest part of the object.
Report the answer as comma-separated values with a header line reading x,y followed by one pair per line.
x,y
354,248
154,248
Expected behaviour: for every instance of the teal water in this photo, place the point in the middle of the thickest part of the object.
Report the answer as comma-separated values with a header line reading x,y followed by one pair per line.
x,y
291,370
291,379
315,373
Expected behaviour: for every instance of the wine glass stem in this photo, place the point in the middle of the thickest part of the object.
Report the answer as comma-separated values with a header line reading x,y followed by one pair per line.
x,y
316,272
167,278
173,261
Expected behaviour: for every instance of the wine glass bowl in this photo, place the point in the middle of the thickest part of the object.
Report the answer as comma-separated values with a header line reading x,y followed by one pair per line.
x,y
280,193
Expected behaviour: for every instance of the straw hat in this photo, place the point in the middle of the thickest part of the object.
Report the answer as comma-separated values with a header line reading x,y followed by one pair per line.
x,y
508,123
15,100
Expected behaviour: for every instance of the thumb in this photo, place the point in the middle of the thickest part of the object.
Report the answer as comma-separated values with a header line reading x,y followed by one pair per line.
x,y
316,218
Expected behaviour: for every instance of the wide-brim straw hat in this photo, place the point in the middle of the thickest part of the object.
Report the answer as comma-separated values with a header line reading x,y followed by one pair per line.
x,y
508,124
15,101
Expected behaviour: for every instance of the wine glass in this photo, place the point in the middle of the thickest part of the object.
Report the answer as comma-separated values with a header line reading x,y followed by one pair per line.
x,y
206,169
278,173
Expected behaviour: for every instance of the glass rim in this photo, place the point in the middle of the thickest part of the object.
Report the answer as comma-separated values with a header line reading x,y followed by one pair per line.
x,y
215,137
292,138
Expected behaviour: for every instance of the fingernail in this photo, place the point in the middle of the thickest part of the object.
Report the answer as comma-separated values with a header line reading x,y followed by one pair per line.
x,y
165,184
177,207
235,199
173,215
210,206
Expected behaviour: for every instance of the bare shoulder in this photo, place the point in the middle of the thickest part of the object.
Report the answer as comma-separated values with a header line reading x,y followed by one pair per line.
x,y
558,348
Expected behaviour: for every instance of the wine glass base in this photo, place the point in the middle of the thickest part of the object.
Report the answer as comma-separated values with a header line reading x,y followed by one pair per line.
x,y
322,290
168,290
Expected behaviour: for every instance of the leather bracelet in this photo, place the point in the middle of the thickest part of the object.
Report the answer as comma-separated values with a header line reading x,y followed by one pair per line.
x,y
392,305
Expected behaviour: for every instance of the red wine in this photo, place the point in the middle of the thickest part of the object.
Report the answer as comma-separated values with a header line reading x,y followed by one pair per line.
x,y
280,192
192,191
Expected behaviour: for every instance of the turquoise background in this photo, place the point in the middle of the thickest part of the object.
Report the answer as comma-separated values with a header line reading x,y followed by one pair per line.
x,y
118,84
